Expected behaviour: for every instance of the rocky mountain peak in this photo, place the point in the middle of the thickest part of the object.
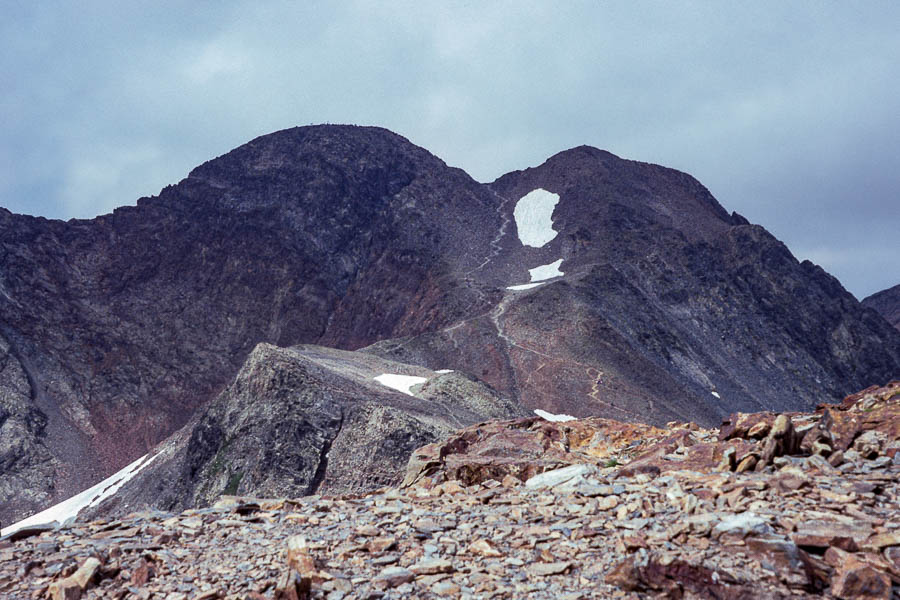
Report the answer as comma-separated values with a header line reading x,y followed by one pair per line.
x,y
326,156
589,285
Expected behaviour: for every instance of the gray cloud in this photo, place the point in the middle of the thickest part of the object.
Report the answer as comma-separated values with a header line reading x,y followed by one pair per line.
x,y
786,111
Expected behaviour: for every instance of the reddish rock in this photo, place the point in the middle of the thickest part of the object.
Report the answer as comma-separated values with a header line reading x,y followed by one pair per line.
x,y
72,587
677,579
739,425
883,540
65,589
704,456
825,534
524,448
892,557
303,564
856,579
288,587
144,572
793,565
86,572
873,409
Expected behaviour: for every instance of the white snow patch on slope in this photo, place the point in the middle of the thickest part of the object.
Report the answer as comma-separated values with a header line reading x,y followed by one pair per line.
x,y
539,275
534,217
525,286
92,496
546,271
551,417
401,383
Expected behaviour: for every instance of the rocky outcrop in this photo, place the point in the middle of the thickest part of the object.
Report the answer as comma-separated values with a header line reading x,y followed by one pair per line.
x,y
524,448
307,420
866,425
887,303
24,457
654,304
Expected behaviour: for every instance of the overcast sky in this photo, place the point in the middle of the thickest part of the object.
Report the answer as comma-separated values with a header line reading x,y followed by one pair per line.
x,y
789,112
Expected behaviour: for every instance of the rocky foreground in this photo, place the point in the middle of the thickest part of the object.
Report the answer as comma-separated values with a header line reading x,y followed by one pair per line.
x,y
767,506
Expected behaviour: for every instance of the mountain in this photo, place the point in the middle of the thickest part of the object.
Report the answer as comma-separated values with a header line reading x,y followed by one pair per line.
x,y
886,302
590,285
306,420
669,308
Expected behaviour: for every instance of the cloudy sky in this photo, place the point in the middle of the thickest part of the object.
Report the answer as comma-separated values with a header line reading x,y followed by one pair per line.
x,y
789,112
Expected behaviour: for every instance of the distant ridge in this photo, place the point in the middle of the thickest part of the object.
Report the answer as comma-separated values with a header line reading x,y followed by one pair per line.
x,y
886,302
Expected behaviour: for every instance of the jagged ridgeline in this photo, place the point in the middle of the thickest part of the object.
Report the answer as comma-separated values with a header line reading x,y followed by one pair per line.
x,y
589,285
886,302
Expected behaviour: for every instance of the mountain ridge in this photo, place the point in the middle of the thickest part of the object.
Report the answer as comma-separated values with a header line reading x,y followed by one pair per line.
x,y
128,325
887,303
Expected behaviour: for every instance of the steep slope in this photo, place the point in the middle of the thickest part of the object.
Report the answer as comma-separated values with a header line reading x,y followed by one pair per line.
x,y
24,456
663,307
589,285
887,303
126,323
309,419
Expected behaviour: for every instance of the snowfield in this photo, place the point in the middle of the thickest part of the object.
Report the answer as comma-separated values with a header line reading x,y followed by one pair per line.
x,y
525,286
401,383
92,496
534,217
539,275
546,271
555,418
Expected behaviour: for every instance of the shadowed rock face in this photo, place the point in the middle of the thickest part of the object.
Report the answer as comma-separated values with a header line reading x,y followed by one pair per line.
x,y
886,302
120,328
126,323
304,420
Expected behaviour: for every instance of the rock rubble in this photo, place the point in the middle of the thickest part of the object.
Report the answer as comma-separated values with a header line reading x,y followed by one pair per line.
x,y
605,525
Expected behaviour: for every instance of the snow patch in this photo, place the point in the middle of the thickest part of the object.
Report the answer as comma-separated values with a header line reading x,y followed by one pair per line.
x,y
534,217
716,394
401,383
546,271
555,418
539,275
92,496
525,286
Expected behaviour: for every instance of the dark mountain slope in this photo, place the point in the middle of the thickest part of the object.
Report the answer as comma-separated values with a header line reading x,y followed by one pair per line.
x,y
308,419
130,321
669,307
886,302
119,330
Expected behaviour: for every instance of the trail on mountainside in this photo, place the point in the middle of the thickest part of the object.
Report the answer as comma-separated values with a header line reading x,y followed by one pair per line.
x,y
495,243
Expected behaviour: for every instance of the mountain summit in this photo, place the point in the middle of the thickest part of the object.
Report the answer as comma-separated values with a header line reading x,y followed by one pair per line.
x,y
589,285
